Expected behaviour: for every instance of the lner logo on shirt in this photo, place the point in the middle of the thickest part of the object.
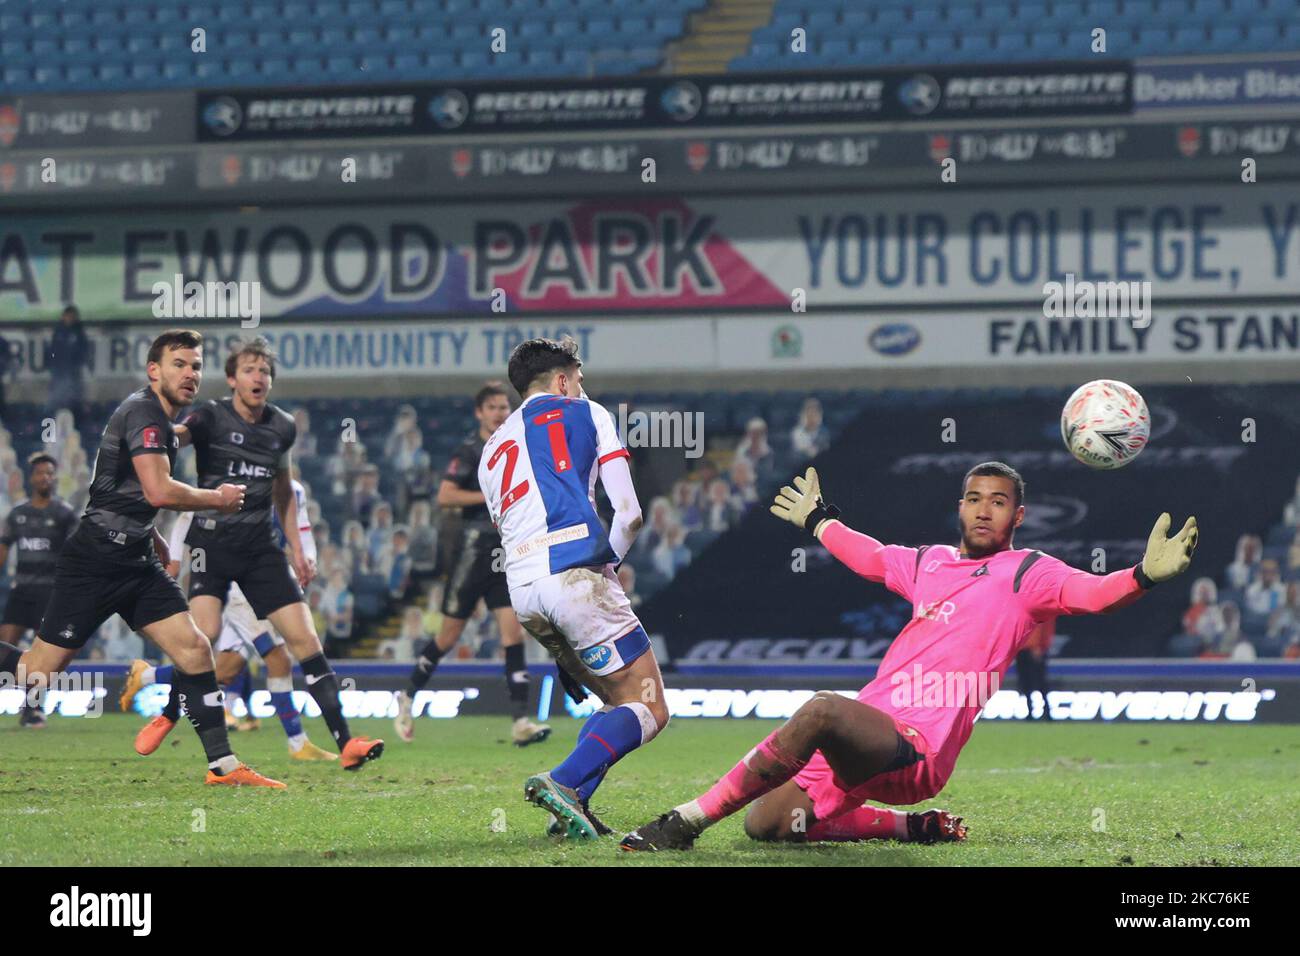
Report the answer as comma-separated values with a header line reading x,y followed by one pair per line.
x,y
936,611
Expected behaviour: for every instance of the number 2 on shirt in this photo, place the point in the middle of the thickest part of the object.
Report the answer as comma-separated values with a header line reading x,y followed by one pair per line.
x,y
510,449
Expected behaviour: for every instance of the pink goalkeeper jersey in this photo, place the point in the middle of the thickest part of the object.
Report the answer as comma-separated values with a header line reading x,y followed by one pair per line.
x,y
969,619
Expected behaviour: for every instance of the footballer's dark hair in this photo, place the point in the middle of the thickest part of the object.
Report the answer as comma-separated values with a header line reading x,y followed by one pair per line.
x,y
1000,470
40,458
489,390
174,339
539,359
258,348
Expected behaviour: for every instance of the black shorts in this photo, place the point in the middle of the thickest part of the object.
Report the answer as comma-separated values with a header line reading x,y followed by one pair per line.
x,y
26,607
90,588
471,577
263,574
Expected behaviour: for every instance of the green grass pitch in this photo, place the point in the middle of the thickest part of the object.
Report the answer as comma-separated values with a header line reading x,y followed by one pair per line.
x,y
76,794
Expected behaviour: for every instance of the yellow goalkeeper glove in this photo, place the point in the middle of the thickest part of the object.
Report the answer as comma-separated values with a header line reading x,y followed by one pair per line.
x,y
803,505
1166,558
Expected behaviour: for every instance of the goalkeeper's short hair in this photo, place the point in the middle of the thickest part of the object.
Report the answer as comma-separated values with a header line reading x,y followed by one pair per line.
x,y
999,469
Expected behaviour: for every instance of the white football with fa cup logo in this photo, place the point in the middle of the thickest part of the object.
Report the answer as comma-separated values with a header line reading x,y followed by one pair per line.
x,y
1105,424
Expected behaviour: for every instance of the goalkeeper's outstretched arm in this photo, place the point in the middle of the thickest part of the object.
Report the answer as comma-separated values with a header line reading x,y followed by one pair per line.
x,y
1081,593
803,506
1165,558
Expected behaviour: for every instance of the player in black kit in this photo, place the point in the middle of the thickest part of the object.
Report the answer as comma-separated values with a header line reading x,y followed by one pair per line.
x,y
113,563
245,438
476,572
38,526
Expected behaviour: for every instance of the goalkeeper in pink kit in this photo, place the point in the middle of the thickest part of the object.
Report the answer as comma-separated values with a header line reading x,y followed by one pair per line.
x,y
974,606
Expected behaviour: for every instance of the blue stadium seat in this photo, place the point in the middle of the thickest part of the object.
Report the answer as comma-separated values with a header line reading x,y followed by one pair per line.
x,y
1190,38
1065,13
1160,11
579,61
890,18
1033,14
1101,12
904,49
938,47
275,69
669,26
1264,36
1013,46
870,49
1045,44
929,19
534,27
1224,38
109,71
1153,41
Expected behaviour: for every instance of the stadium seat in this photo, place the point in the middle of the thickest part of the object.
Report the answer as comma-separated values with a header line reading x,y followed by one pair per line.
x,y
1226,37
1265,36
1189,38
904,48
938,47
1012,46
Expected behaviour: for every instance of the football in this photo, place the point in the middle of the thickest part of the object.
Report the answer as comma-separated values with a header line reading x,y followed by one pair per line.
x,y
1105,424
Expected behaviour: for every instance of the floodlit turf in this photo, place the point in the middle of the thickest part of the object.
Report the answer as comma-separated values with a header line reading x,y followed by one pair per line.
x,y
1033,795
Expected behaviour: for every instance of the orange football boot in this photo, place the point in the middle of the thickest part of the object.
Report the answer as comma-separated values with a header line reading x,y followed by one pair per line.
x,y
243,776
152,734
358,750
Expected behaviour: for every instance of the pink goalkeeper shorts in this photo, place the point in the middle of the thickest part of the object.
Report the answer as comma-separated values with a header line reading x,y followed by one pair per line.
x,y
909,785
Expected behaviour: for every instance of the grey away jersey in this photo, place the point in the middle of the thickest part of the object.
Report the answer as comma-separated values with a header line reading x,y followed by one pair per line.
x,y
117,513
230,450
39,534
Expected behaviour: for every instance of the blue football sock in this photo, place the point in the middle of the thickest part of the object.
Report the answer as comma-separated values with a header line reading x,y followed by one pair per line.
x,y
589,786
282,701
607,741
162,674
240,686
244,688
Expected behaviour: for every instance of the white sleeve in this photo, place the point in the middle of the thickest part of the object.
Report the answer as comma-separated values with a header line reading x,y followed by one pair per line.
x,y
608,445
304,522
616,477
180,528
